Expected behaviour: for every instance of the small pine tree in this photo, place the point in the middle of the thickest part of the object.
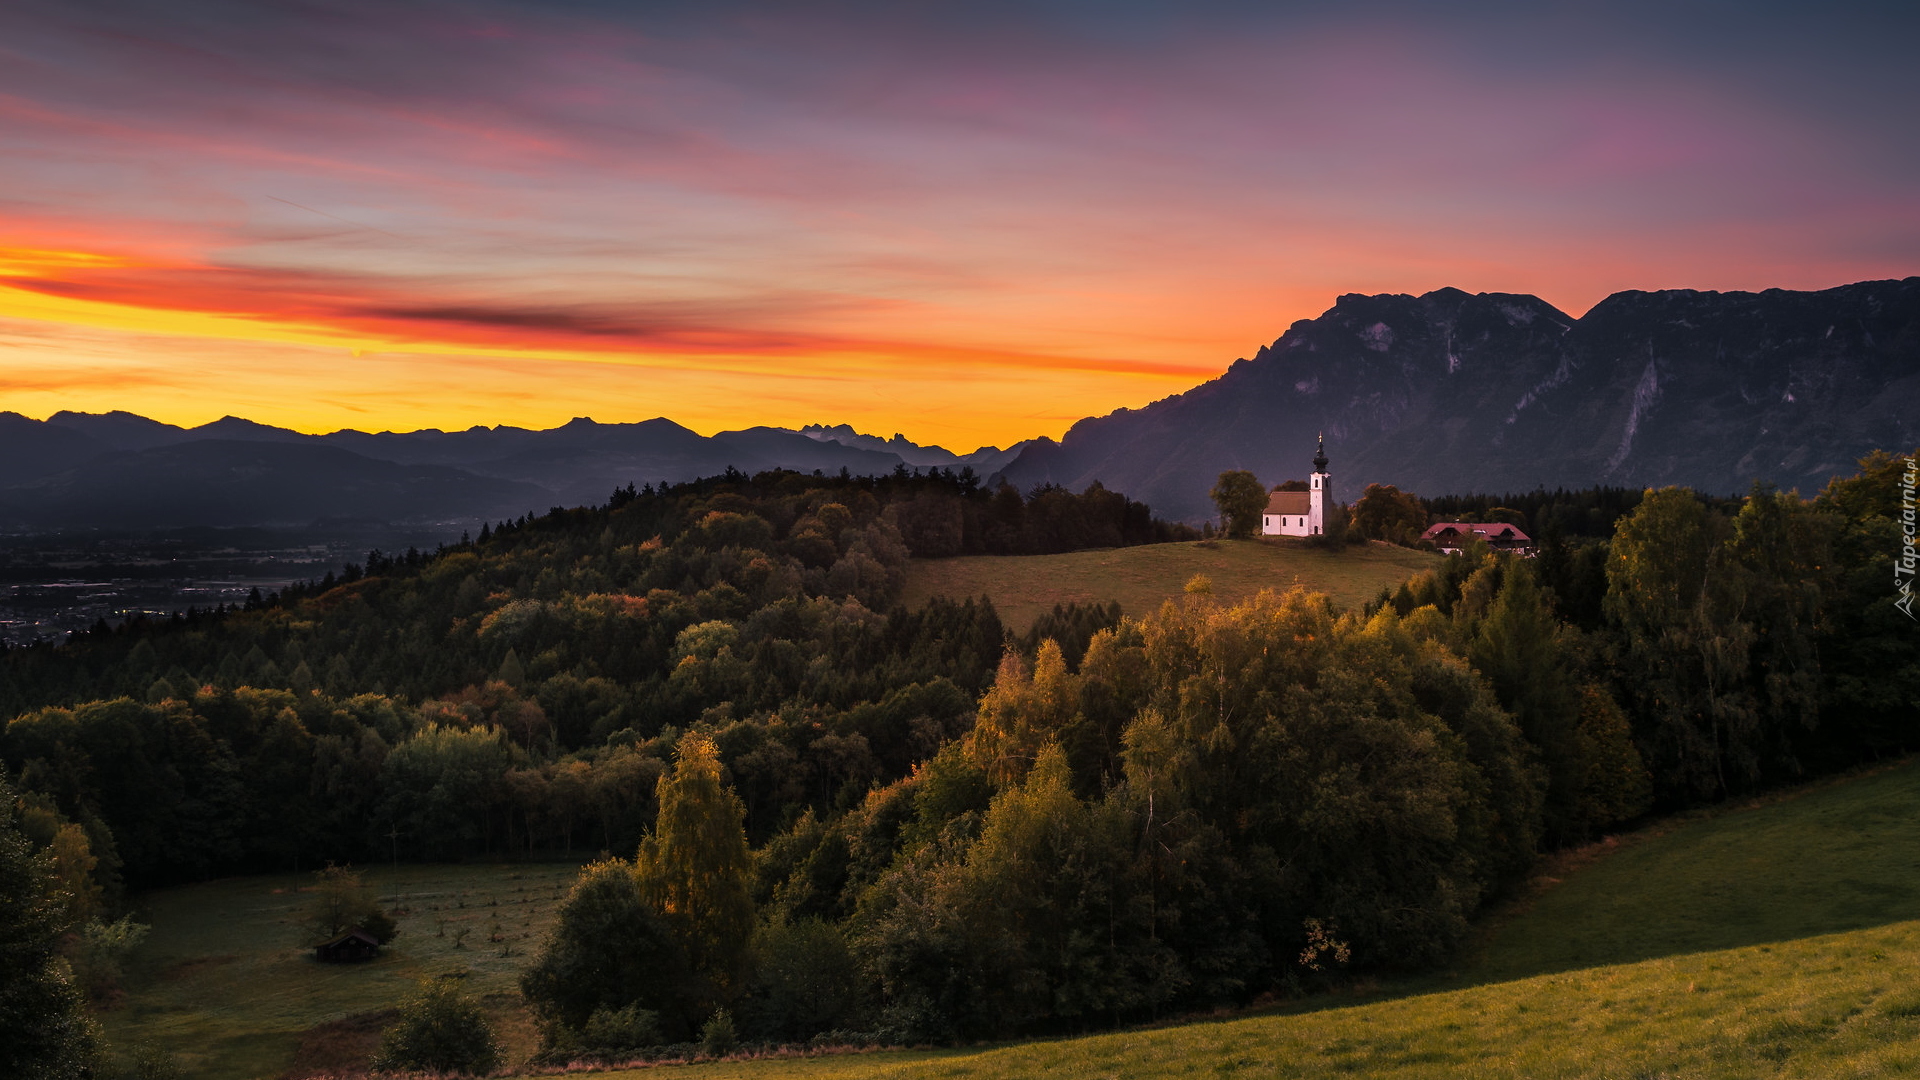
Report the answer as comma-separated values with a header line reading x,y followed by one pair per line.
x,y
511,672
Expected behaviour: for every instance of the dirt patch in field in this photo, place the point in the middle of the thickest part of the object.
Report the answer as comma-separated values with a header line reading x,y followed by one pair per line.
x,y
339,1047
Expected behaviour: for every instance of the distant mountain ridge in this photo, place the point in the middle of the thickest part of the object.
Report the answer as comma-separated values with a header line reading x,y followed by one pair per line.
x,y
1447,392
986,460
1451,392
92,470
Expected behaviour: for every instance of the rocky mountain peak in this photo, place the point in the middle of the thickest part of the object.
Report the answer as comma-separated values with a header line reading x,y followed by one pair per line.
x,y
1453,392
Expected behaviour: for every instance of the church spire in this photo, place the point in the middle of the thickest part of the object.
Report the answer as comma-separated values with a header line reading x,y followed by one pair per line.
x,y
1320,458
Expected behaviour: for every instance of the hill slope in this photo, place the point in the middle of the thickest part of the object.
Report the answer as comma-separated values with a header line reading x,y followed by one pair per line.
x,y
1450,392
1024,587
1772,940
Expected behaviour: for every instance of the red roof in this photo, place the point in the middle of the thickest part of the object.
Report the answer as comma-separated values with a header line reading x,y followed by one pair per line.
x,y
1485,530
1289,502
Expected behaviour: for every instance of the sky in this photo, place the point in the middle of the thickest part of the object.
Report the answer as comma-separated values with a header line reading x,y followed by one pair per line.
x,y
968,223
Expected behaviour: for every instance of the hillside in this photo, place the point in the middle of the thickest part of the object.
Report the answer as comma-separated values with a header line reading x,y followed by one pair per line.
x,y
1769,940
948,841
1025,587
1451,392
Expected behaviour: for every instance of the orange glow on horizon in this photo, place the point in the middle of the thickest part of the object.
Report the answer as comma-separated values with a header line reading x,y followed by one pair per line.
x,y
969,227
705,379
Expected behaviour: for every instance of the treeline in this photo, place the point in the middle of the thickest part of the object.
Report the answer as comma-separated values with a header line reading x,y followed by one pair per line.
x,y
1585,512
1219,801
521,691
1384,512
1751,640
724,547
911,826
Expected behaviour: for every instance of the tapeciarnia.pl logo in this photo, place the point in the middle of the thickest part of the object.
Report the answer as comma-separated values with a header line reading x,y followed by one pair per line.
x,y
1903,564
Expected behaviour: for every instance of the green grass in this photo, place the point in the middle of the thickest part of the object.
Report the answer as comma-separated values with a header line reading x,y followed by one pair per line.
x,y
1024,587
1775,940
1833,857
224,984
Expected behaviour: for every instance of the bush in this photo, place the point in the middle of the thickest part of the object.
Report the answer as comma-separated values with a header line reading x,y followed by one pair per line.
x,y
96,954
718,1036
341,901
439,1030
608,950
380,925
805,981
620,1029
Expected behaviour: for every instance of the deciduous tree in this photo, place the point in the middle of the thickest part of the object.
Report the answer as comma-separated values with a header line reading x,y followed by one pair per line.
x,y
1241,498
697,871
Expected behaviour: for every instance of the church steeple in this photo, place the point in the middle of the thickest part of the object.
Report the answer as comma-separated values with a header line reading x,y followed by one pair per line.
x,y
1320,457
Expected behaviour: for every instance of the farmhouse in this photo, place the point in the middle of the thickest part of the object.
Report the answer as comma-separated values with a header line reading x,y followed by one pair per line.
x,y
1301,513
1451,536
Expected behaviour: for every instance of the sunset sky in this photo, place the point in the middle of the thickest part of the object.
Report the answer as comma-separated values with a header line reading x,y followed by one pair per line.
x,y
970,223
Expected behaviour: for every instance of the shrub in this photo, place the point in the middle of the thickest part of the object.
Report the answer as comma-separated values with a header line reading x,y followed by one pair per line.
x,y
380,925
620,1029
439,1030
805,981
608,950
96,954
718,1036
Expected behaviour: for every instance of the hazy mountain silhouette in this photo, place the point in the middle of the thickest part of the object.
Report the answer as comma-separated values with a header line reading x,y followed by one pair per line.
x,y
119,470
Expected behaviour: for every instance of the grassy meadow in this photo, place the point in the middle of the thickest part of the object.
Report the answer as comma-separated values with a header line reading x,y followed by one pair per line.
x,y
223,983
1024,587
1779,939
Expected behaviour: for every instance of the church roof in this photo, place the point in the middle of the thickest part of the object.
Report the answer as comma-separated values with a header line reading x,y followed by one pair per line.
x,y
1289,502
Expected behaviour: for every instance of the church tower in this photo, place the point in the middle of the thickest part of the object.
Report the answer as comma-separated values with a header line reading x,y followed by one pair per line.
x,y
1320,491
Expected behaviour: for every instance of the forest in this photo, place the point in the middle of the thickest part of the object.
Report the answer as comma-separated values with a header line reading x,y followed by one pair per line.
x,y
816,811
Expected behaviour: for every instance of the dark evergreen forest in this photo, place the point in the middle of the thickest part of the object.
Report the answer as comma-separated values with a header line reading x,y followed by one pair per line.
x,y
822,811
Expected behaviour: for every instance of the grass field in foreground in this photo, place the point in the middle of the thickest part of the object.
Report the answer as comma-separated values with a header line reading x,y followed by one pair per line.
x,y
1024,587
223,983
1775,940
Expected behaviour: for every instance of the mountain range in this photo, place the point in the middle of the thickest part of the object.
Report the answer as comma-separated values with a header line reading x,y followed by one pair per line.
x,y
1447,392
119,470
1451,392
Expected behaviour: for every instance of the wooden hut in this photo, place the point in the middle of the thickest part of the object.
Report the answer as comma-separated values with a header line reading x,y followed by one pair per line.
x,y
355,944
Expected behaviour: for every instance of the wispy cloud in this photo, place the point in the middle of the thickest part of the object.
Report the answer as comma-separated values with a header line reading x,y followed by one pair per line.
x,y
927,200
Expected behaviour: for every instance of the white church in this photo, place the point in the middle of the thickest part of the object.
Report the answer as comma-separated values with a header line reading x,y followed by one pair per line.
x,y
1301,513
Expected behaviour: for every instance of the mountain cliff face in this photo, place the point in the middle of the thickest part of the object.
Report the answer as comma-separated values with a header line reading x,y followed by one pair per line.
x,y
1451,392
